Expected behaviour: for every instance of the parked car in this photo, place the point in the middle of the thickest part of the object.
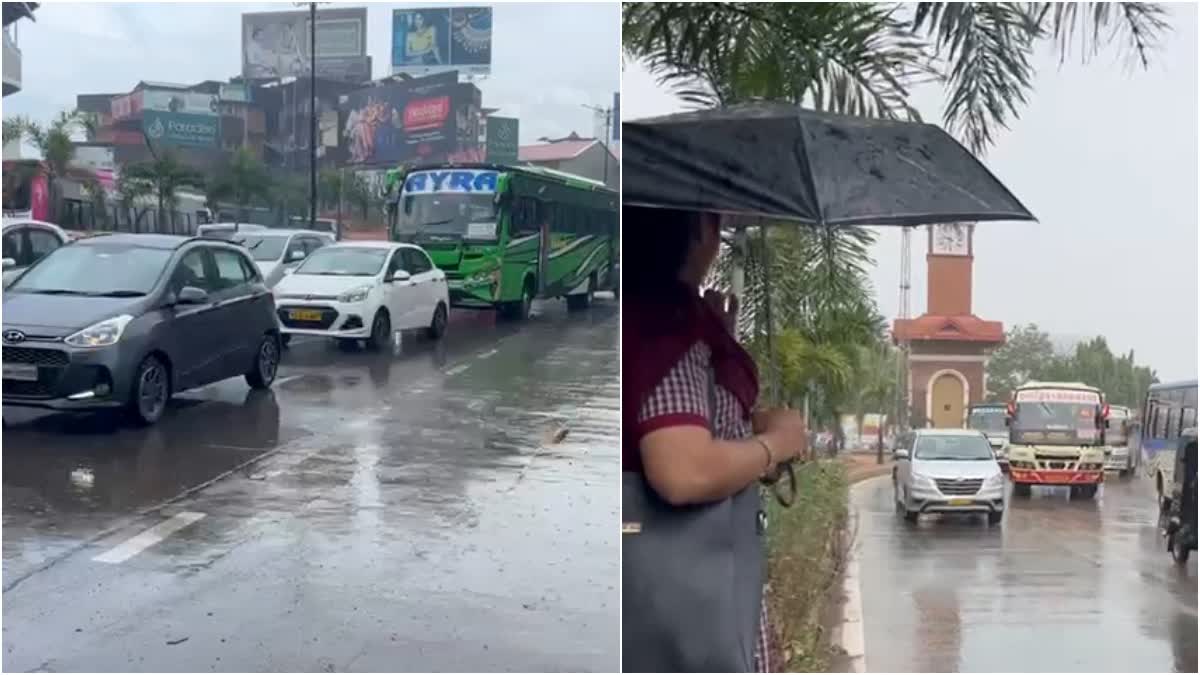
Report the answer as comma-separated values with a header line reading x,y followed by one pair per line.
x,y
26,242
945,471
278,252
127,320
363,291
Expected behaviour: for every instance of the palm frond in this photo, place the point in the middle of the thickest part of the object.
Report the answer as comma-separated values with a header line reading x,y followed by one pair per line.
x,y
1136,27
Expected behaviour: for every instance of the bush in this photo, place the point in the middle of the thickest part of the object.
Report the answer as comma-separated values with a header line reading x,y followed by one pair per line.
x,y
806,550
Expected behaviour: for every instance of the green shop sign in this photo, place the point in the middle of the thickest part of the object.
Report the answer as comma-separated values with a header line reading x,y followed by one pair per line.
x,y
502,140
181,128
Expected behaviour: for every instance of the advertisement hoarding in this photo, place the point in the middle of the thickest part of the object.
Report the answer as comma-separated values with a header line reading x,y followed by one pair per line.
x,y
428,119
276,44
439,39
190,102
185,129
502,135
124,107
616,116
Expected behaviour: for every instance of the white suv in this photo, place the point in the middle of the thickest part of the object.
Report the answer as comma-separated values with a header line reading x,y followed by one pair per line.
x,y
947,470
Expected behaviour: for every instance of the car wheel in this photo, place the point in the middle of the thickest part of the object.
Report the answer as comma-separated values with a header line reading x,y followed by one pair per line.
x,y
437,327
266,363
150,392
994,517
381,332
582,301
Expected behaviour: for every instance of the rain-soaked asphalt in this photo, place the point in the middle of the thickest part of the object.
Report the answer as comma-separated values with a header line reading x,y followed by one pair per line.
x,y
1062,586
408,511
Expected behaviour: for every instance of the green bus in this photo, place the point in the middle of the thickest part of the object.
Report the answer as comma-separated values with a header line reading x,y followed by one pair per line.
x,y
505,235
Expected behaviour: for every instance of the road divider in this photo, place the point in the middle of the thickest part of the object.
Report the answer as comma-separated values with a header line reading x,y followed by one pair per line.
x,y
147,538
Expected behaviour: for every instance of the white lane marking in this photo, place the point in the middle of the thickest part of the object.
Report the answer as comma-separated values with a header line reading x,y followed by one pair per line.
x,y
490,352
289,378
147,538
458,369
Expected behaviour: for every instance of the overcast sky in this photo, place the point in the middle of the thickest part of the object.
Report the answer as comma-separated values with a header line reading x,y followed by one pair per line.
x,y
547,62
1106,158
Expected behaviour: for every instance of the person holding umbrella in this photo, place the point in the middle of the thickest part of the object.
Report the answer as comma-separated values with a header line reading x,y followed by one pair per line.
x,y
692,450
695,448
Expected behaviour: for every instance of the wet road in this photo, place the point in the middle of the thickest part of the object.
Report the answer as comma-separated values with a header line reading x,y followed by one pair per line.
x,y
405,511
1062,586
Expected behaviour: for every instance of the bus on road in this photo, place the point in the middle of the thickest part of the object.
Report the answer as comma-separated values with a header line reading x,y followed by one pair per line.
x,y
989,418
1169,410
505,235
1056,437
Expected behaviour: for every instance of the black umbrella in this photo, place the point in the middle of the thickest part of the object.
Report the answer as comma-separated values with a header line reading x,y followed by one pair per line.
x,y
783,162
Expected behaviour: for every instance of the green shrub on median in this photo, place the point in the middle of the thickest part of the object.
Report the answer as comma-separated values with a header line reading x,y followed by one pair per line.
x,y
806,551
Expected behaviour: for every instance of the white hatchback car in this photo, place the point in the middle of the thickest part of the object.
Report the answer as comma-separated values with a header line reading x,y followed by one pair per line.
x,y
947,471
26,242
364,290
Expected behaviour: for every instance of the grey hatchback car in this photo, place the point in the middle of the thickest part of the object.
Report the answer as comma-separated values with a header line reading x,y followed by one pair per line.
x,y
124,321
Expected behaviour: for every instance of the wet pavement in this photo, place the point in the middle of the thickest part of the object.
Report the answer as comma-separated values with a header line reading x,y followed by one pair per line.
x,y
419,510
1061,586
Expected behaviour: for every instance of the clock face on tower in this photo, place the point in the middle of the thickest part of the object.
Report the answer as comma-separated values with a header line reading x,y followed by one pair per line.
x,y
951,239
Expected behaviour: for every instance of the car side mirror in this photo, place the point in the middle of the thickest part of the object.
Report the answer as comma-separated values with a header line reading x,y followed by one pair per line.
x,y
9,263
399,275
296,256
899,453
190,295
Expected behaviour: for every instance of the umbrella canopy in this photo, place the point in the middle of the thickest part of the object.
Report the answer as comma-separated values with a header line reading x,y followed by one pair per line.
x,y
780,161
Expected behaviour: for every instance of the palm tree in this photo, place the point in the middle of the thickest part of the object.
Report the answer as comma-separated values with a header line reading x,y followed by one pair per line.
x,y
864,58
54,141
241,179
161,177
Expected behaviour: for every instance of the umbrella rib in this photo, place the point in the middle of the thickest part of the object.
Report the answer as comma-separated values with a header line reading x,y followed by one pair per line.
x,y
806,161
959,188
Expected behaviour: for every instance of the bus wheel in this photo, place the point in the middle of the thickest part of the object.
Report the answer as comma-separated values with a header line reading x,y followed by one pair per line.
x,y
519,310
583,300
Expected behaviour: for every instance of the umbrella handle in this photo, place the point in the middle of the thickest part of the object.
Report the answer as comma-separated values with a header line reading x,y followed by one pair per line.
x,y
785,499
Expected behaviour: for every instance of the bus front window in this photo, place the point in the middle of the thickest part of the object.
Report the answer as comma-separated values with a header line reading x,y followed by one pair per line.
x,y
470,216
1055,423
987,420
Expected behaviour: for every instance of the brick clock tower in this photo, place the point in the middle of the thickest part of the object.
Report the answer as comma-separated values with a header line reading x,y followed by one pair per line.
x,y
948,345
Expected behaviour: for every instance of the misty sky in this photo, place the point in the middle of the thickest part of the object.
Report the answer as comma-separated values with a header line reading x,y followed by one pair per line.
x,y
547,60
1106,158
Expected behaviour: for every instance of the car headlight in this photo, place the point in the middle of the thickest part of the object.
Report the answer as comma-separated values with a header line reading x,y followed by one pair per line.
x,y
922,478
355,294
994,479
102,334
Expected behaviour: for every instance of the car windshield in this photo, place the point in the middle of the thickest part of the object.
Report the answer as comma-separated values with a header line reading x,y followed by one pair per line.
x,y
99,270
957,448
990,419
263,248
1055,422
345,262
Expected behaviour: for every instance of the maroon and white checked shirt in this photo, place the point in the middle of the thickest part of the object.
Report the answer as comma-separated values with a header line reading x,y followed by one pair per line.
x,y
682,398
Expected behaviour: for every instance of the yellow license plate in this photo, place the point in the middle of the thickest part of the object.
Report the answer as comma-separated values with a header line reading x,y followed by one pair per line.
x,y
304,315
960,502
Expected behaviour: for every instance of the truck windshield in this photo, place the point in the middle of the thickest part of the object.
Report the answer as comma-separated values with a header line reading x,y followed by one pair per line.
x,y
467,215
987,419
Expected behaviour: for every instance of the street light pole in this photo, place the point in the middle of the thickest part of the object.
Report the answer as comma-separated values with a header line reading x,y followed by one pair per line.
x,y
607,112
312,102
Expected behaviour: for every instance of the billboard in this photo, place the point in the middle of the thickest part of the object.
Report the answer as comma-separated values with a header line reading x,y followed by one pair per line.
x,y
190,102
439,39
502,135
427,119
276,44
127,106
186,129
616,117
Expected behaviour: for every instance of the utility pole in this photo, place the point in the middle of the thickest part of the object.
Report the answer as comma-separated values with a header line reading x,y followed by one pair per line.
x,y
312,109
607,112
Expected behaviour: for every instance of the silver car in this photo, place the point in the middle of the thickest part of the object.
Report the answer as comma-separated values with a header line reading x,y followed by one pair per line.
x,y
947,471
26,242
278,252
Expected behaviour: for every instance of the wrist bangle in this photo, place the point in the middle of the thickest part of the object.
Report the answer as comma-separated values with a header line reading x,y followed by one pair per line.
x,y
770,455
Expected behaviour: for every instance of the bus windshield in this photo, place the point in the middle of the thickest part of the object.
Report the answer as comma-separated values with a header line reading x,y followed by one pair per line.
x,y
467,215
1042,420
987,419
